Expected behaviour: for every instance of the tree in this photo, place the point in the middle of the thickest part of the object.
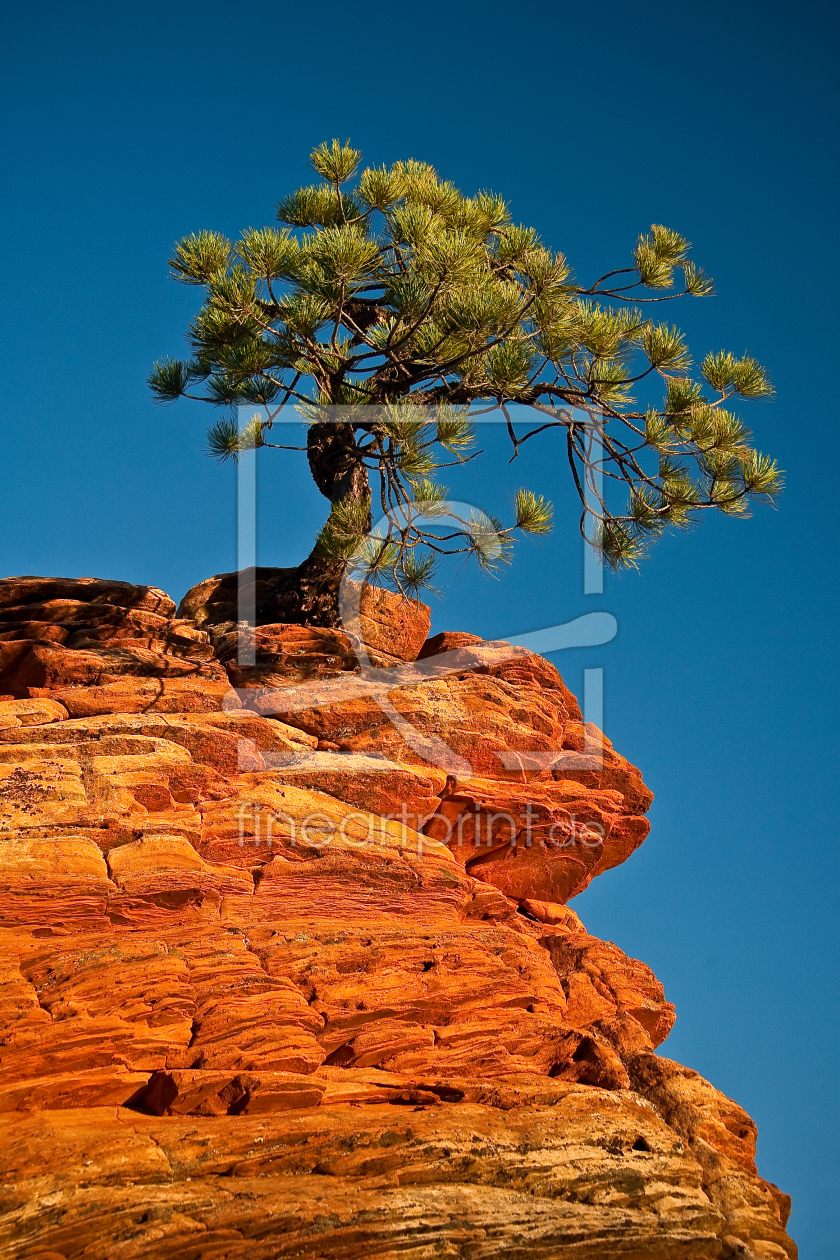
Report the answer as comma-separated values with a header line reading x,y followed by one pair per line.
x,y
393,312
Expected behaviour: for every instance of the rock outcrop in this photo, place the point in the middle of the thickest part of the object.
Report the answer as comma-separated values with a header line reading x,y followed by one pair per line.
x,y
288,968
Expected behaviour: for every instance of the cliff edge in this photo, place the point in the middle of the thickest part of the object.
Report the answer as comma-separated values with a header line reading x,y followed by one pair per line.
x,y
288,968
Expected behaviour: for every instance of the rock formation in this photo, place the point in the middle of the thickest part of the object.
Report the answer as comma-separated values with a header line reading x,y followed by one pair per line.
x,y
288,968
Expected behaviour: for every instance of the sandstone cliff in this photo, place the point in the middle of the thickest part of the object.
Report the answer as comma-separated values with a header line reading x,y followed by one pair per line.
x,y
287,964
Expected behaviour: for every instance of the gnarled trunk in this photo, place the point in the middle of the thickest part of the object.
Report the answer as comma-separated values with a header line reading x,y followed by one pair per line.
x,y
336,466
308,594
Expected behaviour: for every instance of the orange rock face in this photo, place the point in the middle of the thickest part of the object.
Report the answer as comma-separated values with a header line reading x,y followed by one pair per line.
x,y
287,964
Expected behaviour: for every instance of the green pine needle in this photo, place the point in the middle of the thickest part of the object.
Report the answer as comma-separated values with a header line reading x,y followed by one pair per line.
x,y
533,513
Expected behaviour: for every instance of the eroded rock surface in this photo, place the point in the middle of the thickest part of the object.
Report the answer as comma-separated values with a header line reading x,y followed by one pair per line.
x,y
287,967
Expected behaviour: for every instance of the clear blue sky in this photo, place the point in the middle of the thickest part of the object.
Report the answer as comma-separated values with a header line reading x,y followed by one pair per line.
x,y
127,126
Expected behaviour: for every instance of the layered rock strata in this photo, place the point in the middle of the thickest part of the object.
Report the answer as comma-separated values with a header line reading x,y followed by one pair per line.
x,y
288,968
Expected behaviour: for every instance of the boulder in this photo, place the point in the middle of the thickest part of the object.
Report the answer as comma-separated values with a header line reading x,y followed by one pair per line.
x,y
388,628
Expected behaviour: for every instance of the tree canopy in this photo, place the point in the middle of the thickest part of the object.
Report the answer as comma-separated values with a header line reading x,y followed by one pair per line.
x,y
392,311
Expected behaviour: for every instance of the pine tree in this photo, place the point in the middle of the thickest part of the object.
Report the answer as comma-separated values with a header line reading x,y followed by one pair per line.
x,y
391,311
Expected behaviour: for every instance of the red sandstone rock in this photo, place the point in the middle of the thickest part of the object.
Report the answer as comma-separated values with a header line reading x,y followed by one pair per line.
x,y
407,794
389,627
494,712
261,996
230,742
540,840
39,590
284,655
215,600
23,713
43,665
192,694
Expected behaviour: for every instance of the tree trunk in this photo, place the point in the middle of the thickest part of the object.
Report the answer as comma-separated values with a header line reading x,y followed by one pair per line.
x,y
334,462
308,594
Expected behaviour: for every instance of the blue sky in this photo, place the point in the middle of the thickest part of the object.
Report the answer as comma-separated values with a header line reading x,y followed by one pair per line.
x,y
128,126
